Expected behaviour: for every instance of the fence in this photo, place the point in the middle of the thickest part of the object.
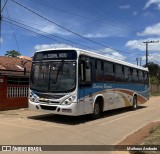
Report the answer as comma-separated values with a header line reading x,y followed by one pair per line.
x,y
155,88
17,91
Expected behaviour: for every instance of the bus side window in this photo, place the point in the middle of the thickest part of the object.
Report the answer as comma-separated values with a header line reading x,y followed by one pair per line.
x,y
140,74
135,76
126,73
130,74
109,71
81,70
146,80
99,70
119,73
85,70
88,70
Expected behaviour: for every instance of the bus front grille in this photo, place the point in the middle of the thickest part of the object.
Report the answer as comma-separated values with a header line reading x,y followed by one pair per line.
x,y
44,107
48,101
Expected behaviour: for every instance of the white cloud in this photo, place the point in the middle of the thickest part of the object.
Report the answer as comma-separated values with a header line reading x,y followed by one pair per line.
x,y
50,46
111,53
138,44
96,35
51,29
151,30
135,13
124,7
150,2
107,31
148,14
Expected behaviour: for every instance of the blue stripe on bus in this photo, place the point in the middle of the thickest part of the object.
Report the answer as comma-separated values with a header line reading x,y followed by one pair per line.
x,y
97,87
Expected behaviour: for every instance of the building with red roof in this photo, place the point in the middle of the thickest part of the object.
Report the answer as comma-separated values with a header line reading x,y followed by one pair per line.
x,y
14,82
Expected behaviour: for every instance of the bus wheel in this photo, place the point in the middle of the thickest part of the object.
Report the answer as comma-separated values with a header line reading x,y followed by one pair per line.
x,y
96,111
134,106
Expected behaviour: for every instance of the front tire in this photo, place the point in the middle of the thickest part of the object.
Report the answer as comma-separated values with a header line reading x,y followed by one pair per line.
x,y
96,111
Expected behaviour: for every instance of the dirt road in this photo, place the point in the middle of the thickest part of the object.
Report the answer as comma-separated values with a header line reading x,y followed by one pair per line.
x,y
26,127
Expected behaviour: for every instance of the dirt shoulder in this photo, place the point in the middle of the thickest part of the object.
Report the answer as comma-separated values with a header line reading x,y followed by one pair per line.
x,y
140,135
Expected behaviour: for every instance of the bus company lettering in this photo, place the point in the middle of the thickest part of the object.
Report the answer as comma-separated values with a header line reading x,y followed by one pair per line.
x,y
102,86
55,55
62,55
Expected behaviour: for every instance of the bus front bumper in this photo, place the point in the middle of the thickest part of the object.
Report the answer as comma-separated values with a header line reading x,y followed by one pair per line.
x,y
55,109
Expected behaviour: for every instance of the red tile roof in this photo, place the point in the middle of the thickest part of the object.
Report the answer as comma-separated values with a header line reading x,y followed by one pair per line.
x,y
14,64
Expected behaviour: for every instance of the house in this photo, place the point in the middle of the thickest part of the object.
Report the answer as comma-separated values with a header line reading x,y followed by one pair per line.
x,y
14,82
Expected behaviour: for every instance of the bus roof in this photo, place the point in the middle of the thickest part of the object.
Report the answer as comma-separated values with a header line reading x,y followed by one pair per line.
x,y
99,56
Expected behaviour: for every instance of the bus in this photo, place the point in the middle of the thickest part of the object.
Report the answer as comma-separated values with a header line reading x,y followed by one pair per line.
x,y
71,81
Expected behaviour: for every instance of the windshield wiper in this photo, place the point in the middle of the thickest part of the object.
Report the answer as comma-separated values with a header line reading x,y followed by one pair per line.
x,y
59,70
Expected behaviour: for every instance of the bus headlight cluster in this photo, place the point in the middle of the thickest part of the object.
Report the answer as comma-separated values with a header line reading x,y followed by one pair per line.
x,y
69,100
33,98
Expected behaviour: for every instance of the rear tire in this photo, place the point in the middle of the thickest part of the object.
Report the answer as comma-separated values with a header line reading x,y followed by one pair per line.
x,y
134,106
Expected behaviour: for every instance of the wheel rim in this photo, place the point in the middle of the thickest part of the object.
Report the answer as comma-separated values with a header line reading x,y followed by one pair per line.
x,y
135,103
96,109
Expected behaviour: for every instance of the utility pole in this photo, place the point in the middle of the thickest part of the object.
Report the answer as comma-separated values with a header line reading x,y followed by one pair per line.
x,y
147,42
140,59
137,60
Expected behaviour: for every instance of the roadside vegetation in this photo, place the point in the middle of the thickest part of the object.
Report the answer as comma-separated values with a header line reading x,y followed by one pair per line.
x,y
154,73
152,139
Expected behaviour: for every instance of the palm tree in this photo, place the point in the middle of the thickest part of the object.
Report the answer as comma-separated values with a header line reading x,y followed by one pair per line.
x,y
12,53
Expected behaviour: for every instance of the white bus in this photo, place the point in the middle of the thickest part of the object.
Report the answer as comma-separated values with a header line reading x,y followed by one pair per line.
x,y
71,81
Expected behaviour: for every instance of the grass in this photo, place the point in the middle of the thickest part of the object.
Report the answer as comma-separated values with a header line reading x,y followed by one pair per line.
x,y
155,94
152,139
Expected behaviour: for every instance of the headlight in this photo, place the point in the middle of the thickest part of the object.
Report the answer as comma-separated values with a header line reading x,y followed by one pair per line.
x,y
69,100
33,98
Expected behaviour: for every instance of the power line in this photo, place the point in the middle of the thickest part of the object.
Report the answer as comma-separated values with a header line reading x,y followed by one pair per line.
x,y
147,42
50,37
47,33
82,16
4,6
154,58
65,28
13,30
58,37
32,31
112,21
13,20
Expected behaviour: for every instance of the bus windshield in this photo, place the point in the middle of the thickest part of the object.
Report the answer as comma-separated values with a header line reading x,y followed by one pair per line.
x,y
53,76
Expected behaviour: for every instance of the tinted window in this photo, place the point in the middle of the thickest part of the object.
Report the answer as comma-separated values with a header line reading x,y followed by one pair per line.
x,y
140,75
109,71
99,70
119,73
126,74
135,76
146,80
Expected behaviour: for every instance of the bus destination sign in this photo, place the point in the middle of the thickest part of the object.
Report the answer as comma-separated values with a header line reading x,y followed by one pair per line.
x,y
55,54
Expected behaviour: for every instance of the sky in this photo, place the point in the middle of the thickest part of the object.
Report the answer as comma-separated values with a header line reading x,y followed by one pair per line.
x,y
114,28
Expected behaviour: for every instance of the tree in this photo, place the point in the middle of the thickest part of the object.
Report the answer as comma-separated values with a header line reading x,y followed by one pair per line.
x,y
154,69
154,72
12,53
